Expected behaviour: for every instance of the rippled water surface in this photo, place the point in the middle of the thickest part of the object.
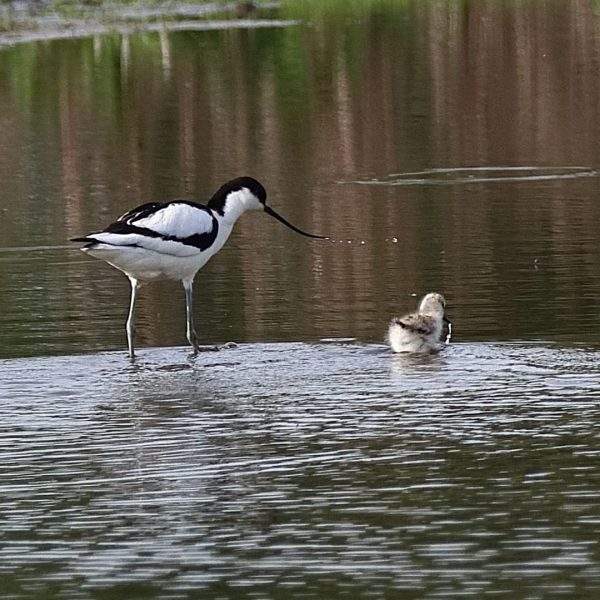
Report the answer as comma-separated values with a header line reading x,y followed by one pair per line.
x,y
443,146
249,474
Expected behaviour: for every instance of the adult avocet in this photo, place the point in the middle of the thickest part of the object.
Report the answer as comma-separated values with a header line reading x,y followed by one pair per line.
x,y
174,240
422,331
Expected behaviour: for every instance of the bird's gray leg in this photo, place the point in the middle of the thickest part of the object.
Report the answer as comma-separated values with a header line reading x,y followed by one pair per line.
x,y
130,327
192,336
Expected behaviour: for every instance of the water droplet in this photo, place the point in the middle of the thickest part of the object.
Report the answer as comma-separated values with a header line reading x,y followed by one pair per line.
x,y
362,241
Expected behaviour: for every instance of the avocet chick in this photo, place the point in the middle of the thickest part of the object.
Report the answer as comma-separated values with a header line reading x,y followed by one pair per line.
x,y
423,331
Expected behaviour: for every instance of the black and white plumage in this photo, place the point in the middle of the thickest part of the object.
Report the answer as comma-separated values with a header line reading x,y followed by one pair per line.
x,y
174,240
424,331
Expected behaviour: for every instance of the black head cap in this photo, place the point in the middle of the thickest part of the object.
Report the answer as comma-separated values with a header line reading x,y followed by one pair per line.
x,y
217,202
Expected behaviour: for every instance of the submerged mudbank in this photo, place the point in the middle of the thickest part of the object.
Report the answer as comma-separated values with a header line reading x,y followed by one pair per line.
x,y
23,22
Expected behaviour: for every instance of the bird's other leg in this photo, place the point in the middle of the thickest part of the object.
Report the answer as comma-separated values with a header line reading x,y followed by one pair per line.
x,y
192,336
130,327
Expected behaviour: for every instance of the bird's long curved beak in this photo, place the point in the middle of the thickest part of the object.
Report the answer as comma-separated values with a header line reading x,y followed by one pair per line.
x,y
271,212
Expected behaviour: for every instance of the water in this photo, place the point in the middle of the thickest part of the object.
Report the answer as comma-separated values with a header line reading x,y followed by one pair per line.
x,y
443,146
466,473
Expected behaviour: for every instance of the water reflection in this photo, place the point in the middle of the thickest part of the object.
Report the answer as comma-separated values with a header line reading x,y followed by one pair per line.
x,y
92,127
479,175
332,467
326,469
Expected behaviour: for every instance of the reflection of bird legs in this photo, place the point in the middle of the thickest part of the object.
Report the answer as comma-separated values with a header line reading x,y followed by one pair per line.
x,y
244,8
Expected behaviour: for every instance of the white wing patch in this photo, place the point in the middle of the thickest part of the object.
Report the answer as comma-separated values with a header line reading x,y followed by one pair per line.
x,y
179,220
142,241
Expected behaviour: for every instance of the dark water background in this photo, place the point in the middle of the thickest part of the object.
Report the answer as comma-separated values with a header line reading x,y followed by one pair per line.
x,y
399,128
92,127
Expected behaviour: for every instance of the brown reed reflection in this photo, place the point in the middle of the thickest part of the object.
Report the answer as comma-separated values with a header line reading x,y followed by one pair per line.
x,y
93,127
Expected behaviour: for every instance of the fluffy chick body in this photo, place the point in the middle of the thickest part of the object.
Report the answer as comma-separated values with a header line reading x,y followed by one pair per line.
x,y
424,331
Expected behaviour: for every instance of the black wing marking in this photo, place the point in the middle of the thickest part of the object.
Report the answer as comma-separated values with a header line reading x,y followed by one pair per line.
x,y
202,241
150,208
130,229
139,212
422,324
